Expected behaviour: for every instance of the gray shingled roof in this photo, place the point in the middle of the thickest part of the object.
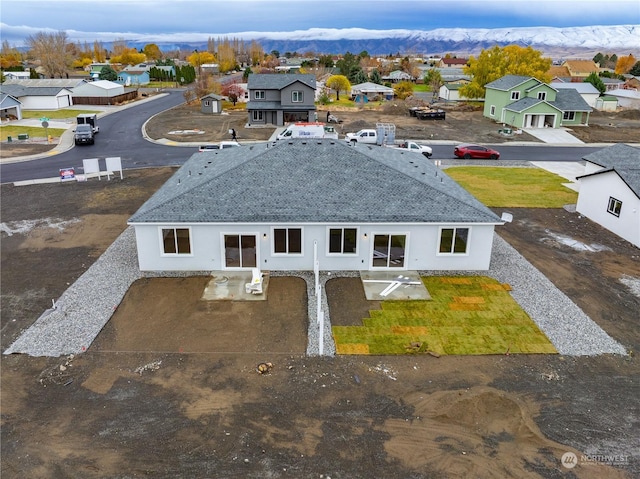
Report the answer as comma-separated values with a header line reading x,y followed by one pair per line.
x,y
319,181
621,158
507,82
570,100
278,81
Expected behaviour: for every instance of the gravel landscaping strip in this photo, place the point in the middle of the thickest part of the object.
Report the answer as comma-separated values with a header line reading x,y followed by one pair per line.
x,y
86,306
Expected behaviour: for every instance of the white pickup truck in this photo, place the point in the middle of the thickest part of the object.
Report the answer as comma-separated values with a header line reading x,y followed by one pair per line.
x,y
363,136
416,147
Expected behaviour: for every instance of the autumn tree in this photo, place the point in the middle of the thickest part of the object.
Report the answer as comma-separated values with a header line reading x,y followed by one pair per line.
x,y
624,64
403,90
497,62
596,81
152,51
433,78
51,50
233,92
338,83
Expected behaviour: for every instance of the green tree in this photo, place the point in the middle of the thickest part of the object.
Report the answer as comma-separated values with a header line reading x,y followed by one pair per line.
x,y
107,73
497,62
403,90
433,78
338,83
375,77
597,82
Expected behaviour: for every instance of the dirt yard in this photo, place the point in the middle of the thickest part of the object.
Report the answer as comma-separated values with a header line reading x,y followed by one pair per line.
x,y
170,389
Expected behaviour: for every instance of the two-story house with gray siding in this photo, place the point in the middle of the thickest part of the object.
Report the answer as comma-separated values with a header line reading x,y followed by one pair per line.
x,y
275,207
278,99
525,102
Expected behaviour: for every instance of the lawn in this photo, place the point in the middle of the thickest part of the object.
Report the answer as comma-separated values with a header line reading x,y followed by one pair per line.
x,y
466,315
33,131
499,187
56,114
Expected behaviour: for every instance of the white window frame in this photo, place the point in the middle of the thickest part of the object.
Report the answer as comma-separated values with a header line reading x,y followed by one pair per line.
x,y
452,251
611,207
342,252
569,115
297,96
515,95
259,95
257,115
492,110
174,228
286,228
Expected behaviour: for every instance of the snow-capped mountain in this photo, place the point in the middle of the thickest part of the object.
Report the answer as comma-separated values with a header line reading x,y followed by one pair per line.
x,y
622,39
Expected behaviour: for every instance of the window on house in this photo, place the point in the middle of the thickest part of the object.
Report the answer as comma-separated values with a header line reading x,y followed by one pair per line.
x,y
343,240
454,240
296,96
569,115
259,95
614,206
492,111
542,95
287,240
515,95
258,116
176,240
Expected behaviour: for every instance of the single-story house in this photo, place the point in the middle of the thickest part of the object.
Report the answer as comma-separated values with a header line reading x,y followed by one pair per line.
x,y
626,98
10,107
282,207
211,103
133,77
98,88
370,91
279,98
610,190
37,97
587,91
526,102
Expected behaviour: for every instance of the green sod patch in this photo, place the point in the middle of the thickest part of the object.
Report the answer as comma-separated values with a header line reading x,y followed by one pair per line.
x,y
514,187
466,315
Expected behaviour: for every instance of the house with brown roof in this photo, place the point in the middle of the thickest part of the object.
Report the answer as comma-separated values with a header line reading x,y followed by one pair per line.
x,y
581,68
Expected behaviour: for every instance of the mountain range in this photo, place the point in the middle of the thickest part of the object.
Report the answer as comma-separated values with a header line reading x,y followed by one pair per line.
x,y
619,39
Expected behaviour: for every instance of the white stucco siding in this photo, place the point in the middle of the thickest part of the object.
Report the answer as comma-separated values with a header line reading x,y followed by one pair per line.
x,y
593,201
208,254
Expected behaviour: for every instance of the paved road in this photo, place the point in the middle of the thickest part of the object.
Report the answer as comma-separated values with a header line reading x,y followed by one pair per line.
x,y
120,135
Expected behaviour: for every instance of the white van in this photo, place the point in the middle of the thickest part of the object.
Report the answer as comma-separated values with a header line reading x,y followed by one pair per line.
x,y
308,131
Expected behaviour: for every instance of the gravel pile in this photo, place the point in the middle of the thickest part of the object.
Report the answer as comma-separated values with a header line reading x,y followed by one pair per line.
x,y
84,308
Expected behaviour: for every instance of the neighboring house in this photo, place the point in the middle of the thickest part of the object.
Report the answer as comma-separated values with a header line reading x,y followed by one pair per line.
x,y
10,107
610,190
38,98
279,98
525,102
371,91
133,76
587,91
17,75
211,103
581,68
451,92
98,88
397,76
626,98
273,206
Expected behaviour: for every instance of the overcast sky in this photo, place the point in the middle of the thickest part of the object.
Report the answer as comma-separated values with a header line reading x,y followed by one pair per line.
x,y
197,20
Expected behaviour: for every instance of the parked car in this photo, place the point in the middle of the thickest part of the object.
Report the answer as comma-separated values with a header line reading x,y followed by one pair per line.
x,y
83,135
467,151
223,145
